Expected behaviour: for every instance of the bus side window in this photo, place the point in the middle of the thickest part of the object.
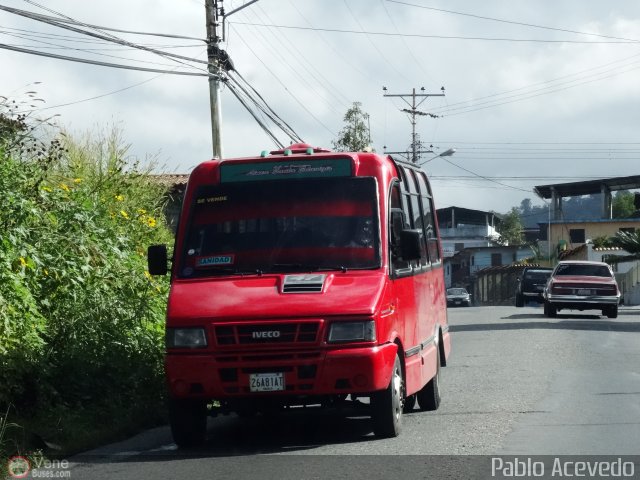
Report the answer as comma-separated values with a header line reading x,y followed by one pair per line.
x,y
428,225
397,222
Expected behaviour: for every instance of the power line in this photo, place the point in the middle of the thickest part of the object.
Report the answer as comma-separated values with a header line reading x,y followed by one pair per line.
x,y
564,30
443,37
111,29
304,107
304,61
472,102
484,177
529,95
107,37
295,71
54,46
103,64
382,55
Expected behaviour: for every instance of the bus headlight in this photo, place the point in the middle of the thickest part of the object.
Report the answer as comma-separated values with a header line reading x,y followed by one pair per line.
x,y
186,338
364,331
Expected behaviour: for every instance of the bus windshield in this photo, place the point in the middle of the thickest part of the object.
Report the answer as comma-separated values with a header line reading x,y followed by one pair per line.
x,y
294,225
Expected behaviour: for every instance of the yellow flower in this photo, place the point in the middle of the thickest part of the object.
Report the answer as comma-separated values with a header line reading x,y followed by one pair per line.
x,y
46,189
142,211
64,187
119,198
77,180
147,274
124,214
151,222
46,272
23,262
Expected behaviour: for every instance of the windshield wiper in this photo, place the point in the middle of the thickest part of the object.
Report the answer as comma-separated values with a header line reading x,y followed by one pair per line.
x,y
342,268
304,267
292,266
232,271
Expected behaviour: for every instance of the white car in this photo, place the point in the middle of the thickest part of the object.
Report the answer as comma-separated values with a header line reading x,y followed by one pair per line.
x,y
458,297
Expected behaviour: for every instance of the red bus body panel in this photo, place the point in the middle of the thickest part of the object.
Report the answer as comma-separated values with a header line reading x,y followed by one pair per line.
x,y
409,314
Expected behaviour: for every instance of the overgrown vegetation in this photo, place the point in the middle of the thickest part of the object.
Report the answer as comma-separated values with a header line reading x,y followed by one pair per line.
x,y
81,321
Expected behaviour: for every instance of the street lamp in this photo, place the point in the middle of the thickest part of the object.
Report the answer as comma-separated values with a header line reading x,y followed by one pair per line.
x,y
446,153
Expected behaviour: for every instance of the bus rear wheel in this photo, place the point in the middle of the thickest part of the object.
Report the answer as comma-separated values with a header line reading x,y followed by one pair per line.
x,y
429,396
188,420
387,405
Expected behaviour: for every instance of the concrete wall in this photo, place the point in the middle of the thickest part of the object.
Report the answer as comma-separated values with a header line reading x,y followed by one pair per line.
x,y
592,229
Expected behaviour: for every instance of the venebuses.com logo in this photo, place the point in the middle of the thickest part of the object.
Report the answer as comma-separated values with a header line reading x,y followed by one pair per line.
x,y
18,467
39,467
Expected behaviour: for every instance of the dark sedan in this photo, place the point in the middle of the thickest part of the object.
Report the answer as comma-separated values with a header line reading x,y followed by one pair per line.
x,y
531,285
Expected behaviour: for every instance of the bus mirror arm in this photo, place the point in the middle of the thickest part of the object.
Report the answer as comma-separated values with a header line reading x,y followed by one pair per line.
x,y
157,259
411,244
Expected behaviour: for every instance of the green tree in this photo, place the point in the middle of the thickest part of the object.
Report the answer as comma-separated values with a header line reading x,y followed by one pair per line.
x,y
355,135
630,241
623,206
511,230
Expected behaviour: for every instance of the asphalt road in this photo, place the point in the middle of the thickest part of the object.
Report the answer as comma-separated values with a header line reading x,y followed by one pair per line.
x,y
517,383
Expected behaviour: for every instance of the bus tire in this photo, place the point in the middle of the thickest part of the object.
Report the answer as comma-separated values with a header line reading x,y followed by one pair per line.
x,y
188,421
387,405
429,396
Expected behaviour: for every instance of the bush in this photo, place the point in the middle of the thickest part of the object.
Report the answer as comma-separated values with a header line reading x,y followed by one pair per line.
x,y
81,321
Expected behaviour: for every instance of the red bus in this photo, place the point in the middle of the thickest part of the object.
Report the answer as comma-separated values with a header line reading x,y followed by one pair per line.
x,y
302,277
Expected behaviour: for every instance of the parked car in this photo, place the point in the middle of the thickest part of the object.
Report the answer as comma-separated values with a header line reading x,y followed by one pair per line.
x,y
582,285
531,283
458,297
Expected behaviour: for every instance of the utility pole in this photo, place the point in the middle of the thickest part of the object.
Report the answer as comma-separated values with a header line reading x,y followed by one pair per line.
x,y
414,112
218,62
214,12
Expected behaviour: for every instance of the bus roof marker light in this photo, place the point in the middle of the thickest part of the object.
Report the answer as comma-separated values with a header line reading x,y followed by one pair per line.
x,y
309,151
264,153
287,152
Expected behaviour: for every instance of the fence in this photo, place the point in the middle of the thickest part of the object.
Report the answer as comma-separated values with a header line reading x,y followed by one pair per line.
x,y
629,284
496,285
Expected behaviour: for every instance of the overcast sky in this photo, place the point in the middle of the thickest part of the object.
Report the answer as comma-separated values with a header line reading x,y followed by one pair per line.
x,y
537,92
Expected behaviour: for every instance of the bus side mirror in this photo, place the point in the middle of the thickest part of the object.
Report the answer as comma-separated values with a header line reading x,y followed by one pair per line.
x,y
157,259
411,244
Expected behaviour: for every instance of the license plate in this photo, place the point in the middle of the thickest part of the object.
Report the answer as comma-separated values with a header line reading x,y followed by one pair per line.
x,y
584,292
266,382
458,302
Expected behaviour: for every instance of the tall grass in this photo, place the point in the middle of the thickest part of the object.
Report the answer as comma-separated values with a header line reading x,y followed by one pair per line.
x,y
81,321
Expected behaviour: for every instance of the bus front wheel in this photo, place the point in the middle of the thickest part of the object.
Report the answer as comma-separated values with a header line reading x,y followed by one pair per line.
x,y
387,405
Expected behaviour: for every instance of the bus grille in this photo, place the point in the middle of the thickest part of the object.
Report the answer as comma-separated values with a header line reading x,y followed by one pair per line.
x,y
267,334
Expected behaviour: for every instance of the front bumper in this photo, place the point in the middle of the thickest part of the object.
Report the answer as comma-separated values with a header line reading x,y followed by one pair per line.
x,y
319,372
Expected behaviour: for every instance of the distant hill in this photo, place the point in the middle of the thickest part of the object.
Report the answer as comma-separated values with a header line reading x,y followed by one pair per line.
x,y
573,208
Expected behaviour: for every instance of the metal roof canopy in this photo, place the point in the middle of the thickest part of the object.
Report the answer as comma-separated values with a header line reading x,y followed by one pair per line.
x,y
575,189
466,216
